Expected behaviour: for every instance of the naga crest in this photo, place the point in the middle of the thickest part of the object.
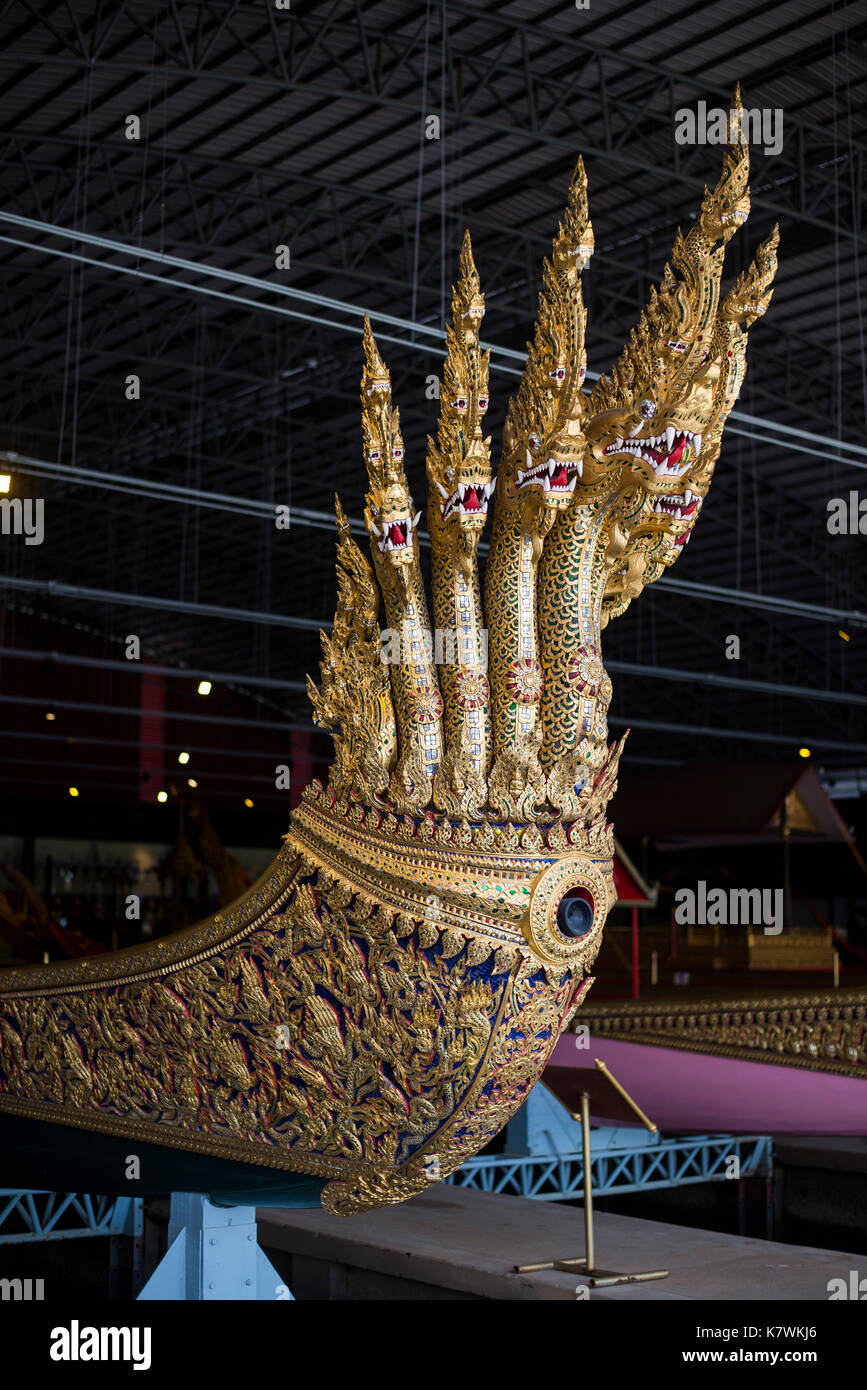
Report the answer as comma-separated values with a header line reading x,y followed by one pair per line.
x,y
388,514
664,523
381,1003
543,441
459,463
648,411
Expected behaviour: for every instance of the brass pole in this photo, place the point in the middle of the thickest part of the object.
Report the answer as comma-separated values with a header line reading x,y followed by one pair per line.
x,y
648,1124
585,1264
588,1183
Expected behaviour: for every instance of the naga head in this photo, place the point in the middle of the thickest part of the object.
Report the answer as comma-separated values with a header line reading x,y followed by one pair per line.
x,y
544,449
750,295
389,512
651,414
468,302
654,446
459,462
717,384
727,207
549,463
646,421
660,527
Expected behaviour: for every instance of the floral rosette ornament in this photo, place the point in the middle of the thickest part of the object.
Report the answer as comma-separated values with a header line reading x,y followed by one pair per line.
x,y
427,705
472,691
525,681
587,671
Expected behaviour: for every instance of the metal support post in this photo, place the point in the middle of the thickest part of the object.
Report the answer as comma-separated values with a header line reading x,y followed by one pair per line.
x,y
586,1263
213,1254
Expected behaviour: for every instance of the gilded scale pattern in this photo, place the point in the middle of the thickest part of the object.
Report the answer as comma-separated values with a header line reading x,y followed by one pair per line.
x,y
543,449
460,484
377,1007
392,525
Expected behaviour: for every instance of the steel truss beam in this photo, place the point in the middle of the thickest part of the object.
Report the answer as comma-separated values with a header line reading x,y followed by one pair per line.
x,y
28,1216
851,454
614,286
515,93
307,624
236,679
305,516
670,1163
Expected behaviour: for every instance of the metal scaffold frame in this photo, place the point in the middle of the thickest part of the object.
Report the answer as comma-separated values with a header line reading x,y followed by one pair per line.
x,y
81,1214
673,1162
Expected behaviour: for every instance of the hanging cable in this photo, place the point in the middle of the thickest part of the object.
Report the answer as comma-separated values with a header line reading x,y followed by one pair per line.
x,y
443,70
420,173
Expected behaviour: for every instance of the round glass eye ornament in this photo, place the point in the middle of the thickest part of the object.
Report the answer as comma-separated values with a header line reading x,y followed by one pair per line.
x,y
569,901
574,915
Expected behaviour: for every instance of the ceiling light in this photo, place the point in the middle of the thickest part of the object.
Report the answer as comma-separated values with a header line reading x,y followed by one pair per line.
x,y
191,782
162,796
5,482
804,752
73,791
204,687
50,715
247,801
183,758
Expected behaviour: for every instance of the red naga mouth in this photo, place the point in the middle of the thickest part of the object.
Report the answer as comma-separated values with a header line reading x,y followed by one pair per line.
x,y
552,476
664,452
468,499
396,535
679,506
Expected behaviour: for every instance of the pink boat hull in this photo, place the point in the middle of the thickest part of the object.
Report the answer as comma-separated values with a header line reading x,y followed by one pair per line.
x,y
694,1093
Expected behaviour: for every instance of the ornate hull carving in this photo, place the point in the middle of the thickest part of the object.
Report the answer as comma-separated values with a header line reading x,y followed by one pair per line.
x,y
369,1015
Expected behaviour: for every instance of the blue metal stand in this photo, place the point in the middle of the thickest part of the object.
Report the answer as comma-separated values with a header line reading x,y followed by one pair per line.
x,y
543,1157
213,1254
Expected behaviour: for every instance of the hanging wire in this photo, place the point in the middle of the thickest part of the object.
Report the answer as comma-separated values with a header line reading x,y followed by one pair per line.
x,y
165,143
190,526
420,174
855,193
443,72
836,405
141,552
147,133
76,280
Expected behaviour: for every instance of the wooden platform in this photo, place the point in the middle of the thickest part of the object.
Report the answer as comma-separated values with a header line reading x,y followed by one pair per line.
x,y
454,1243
